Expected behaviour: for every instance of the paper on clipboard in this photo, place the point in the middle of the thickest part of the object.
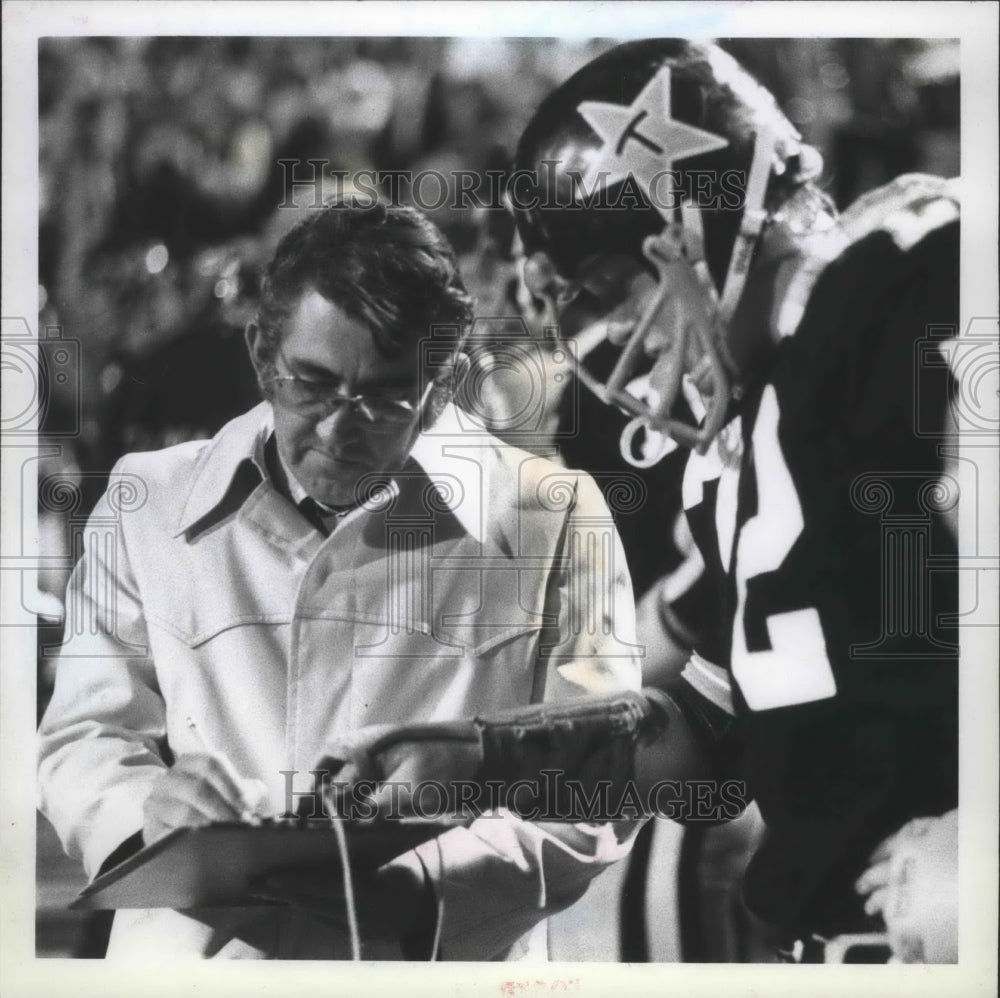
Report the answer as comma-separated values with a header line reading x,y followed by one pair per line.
x,y
214,866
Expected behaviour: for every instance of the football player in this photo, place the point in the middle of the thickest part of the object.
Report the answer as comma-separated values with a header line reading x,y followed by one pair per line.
x,y
662,189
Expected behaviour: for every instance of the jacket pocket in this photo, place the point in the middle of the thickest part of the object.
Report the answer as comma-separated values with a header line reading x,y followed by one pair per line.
x,y
444,673
199,632
482,641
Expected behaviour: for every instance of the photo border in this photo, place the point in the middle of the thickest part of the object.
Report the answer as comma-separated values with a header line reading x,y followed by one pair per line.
x,y
21,973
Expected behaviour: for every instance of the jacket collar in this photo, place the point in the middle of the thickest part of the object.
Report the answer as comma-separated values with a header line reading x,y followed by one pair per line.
x,y
452,453
240,440
459,486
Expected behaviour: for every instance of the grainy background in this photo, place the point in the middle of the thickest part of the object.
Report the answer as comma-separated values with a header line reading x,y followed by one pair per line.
x,y
160,183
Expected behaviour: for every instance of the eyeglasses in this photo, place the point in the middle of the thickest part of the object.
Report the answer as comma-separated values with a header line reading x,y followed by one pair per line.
x,y
319,399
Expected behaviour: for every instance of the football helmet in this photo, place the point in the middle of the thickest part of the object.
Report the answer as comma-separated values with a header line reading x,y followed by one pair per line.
x,y
666,154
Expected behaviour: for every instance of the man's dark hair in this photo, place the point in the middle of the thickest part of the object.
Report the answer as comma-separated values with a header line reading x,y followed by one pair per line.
x,y
386,266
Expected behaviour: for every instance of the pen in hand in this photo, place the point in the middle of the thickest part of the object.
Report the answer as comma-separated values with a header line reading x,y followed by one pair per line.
x,y
251,814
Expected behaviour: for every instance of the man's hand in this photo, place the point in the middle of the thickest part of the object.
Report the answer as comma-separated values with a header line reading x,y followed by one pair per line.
x,y
913,884
197,790
392,903
405,756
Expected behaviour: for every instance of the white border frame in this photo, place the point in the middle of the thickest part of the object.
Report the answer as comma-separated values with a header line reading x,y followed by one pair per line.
x,y
974,24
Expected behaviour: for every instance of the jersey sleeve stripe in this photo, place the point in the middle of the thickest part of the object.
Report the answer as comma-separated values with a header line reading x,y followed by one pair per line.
x,y
711,681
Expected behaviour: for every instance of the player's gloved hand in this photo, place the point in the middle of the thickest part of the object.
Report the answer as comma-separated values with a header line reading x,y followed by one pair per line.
x,y
594,739
913,884
393,902
198,790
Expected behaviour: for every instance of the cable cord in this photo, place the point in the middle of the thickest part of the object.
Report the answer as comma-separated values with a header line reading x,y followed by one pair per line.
x,y
350,903
436,945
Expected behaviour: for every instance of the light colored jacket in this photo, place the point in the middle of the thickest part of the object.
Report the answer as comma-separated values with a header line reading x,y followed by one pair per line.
x,y
484,577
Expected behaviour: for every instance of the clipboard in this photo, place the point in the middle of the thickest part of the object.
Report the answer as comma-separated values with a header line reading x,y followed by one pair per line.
x,y
213,866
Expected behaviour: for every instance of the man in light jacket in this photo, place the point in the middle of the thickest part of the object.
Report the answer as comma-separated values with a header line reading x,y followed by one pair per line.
x,y
354,550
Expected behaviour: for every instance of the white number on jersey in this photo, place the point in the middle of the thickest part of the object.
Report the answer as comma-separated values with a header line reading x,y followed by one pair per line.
x,y
796,669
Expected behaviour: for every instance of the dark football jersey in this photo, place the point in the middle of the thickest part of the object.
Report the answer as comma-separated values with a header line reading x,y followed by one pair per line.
x,y
830,572
589,433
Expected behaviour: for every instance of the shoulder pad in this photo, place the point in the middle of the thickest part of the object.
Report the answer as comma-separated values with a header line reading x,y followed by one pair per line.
x,y
908,209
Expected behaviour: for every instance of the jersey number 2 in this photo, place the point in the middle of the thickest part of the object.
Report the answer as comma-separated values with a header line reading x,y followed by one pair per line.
x,y
796,668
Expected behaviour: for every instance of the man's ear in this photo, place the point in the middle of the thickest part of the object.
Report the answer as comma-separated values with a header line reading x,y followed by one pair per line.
x,y
447,388
255,347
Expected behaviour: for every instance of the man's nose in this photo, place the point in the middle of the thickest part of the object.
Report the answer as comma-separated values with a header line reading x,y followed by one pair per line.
x,y
541,277
657,341
339,424
618,331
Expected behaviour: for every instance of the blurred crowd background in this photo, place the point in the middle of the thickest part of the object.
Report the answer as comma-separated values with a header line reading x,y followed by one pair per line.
x,y
160,178
160,181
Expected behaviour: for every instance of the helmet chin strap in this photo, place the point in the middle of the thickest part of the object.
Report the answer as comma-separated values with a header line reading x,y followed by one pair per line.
x,y
751,225
685,241
658,445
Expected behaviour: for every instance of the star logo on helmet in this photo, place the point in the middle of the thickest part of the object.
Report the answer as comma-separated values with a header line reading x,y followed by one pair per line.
x,y
642,140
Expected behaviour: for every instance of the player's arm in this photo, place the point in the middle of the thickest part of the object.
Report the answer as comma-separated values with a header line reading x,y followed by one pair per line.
x,y
668,617
640,738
